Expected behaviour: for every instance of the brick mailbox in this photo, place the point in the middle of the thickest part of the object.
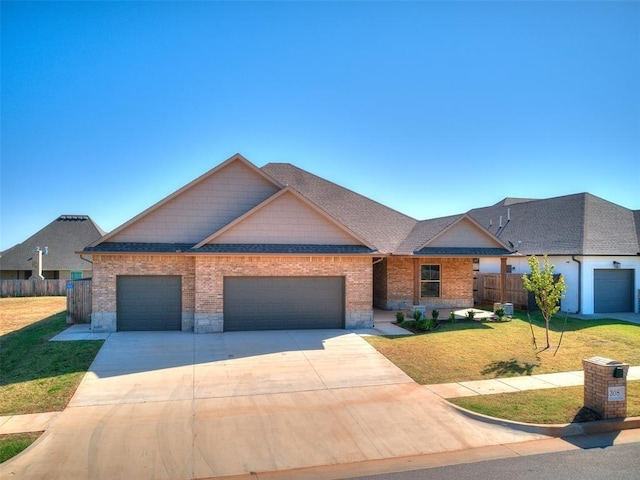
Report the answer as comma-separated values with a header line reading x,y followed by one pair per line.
x,y
605,386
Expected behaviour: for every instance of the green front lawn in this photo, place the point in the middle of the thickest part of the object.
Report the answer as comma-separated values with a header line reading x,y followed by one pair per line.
x,y
475,351
548,406
37,375
11,445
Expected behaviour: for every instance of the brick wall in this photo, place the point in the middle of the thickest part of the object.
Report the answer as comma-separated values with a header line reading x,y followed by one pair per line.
x,y
211,270
598,377
106,268
202,283
402,283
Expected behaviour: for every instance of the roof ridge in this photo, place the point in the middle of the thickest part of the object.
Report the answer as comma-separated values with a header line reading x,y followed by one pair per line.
x,y
339,186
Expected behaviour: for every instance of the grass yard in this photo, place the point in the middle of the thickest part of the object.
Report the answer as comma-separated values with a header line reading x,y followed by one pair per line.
x,y
11,445
16,313
552,405
37,375
475,351
462,351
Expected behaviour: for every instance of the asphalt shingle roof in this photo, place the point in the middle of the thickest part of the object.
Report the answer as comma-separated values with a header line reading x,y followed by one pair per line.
x,y
379,225
122,247
236,248
463,252
63,237
579,224
286,249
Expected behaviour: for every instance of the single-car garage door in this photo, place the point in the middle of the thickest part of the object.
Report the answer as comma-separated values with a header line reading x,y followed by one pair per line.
x,y
613,290
149,302
282,303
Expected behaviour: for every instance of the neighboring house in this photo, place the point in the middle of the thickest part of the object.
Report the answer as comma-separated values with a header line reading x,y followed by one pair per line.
x,y
248,248
592,242
61,239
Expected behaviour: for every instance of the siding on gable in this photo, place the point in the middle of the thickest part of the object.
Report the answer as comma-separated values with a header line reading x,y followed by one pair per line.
x,y
286,220
202,209
464,234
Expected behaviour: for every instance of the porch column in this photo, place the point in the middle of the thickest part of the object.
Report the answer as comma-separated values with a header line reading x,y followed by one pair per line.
x,y
503,280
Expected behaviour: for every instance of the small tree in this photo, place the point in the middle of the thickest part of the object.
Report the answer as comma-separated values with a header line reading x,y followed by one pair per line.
x,y
546,291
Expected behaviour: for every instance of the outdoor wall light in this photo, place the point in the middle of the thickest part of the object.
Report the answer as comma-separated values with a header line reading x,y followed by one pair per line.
x,y
616,264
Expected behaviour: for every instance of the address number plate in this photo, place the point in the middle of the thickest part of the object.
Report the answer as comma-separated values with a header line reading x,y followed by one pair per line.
x,y
616,394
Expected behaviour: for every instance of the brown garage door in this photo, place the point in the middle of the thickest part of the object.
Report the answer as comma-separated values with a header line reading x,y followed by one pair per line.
x,y
149,302
283,303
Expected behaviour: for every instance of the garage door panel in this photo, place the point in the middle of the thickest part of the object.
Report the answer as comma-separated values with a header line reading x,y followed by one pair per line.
x,y
276,303
613,290
146,303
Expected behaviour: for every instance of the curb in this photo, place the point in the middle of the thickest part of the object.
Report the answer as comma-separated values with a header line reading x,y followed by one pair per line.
x,y
556,430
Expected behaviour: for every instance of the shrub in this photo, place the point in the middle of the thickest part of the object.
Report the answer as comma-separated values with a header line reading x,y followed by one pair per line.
x,y
409,324
452,317
471,314
434,314
417,315
399,317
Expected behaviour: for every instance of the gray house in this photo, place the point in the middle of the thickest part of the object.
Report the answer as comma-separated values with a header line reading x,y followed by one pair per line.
x,y
57,242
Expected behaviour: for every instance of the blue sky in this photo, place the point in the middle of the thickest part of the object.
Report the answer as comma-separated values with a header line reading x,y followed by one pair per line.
x,y
432,108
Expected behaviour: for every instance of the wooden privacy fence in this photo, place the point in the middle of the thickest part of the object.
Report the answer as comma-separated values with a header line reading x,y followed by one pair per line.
x,y
33,288
487,289
79,300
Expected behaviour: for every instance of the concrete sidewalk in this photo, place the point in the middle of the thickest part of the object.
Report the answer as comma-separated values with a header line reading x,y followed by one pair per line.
x,y
516,384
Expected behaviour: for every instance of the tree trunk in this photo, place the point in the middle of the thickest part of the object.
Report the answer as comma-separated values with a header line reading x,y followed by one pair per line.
x,y
547,329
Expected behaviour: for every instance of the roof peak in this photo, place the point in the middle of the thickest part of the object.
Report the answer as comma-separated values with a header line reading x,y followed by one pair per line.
x,y
79,218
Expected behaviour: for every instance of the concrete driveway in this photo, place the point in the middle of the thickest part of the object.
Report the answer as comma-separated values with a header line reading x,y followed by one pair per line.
x,y
170,405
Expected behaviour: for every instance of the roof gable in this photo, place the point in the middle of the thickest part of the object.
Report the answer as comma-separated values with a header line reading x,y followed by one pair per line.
x,y
380,226
285,218
455,235
464,232
201,207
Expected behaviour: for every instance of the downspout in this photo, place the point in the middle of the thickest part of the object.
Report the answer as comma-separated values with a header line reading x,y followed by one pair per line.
x,y
573,257
86,259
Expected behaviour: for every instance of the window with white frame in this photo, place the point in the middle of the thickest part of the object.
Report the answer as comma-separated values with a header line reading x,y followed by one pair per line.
x,y
430,280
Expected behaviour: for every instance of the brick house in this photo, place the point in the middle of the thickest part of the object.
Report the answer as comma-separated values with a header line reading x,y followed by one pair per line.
x,y
248,248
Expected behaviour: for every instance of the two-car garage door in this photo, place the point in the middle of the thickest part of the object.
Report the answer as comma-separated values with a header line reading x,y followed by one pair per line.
x,y
281,303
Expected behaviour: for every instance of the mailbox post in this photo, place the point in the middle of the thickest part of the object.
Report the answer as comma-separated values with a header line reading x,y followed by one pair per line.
x,y
605,386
